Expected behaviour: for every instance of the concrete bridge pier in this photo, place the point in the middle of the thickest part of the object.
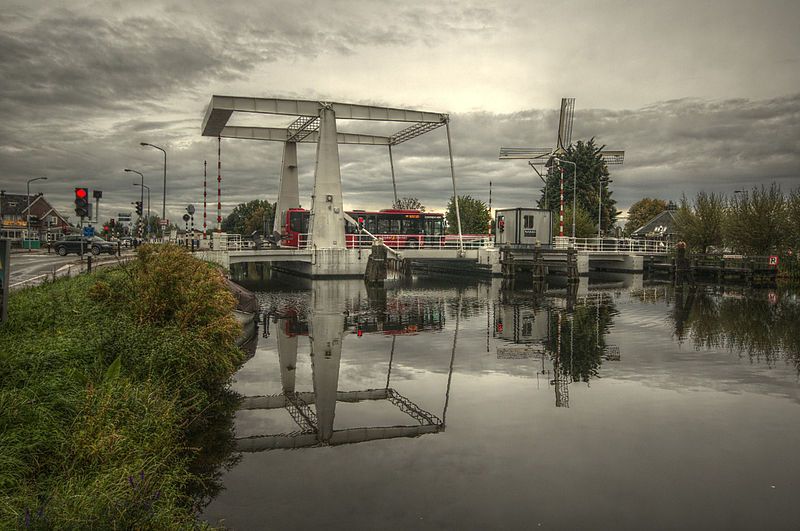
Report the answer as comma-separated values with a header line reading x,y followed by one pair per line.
x,y
289,196
327,238
327,216
619,264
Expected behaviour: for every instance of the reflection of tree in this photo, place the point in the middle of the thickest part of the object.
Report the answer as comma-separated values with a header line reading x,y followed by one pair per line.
x,y
762,326
582,339
212,435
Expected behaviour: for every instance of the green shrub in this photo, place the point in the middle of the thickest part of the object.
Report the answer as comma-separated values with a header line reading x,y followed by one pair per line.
x,y
103,379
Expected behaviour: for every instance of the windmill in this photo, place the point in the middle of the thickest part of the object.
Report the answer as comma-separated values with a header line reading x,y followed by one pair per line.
x,y
546,157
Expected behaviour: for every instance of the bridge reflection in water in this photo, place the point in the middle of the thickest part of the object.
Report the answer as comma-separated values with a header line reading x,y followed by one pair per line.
x,y
314,411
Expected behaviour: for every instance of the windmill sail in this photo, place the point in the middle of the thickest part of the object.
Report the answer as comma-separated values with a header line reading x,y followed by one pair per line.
x,y
565,124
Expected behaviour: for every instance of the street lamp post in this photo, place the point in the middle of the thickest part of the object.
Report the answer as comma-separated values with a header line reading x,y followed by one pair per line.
x,y
147,226
164,198
142,193
28,217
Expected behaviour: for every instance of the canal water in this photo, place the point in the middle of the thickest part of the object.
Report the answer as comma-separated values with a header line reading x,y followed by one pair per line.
x,y
446,404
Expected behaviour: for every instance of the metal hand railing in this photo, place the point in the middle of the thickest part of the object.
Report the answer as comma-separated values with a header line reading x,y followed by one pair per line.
x,y
613,245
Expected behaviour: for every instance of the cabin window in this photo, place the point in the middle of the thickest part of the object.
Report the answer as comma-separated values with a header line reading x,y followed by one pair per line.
x,y
528,221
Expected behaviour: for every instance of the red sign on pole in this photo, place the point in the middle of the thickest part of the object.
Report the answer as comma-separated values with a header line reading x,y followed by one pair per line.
x,y
163,222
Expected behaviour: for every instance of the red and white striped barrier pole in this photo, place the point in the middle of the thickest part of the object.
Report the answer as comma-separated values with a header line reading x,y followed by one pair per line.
x,y
561,211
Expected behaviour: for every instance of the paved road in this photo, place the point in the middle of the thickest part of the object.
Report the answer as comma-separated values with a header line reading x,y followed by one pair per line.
x,y
25,266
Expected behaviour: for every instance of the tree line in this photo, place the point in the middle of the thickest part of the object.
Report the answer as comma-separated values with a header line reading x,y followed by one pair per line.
x,y
759,221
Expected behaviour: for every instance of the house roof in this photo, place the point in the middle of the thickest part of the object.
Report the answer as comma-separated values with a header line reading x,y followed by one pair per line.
x,y
16,204
662,225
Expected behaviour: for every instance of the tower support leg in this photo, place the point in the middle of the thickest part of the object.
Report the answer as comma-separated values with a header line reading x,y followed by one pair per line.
x,y
327,219
289,195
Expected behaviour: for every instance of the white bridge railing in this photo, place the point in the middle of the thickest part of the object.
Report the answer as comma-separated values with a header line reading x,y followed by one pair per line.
x,y
614,245
412,241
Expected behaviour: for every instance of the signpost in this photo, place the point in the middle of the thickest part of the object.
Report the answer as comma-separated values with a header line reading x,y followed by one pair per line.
x,y
186,229
88,231
5,277
190,210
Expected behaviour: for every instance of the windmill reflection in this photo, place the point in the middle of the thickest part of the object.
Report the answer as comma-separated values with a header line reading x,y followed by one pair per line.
x,y
329,319
564,330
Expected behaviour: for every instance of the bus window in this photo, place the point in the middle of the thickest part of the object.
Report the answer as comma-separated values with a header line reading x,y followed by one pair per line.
x,y
298,222
384,226
411,226
433,226
371,225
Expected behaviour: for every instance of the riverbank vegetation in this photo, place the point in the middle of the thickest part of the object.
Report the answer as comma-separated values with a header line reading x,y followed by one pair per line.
x,y
758,222
103,380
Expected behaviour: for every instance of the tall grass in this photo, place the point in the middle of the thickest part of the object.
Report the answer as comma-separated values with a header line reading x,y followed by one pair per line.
x,y
102,380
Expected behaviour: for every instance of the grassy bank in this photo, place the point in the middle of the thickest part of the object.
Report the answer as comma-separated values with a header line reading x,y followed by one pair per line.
x,y
103,379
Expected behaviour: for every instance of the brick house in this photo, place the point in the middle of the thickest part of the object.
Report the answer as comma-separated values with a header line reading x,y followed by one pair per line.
x,y
47,223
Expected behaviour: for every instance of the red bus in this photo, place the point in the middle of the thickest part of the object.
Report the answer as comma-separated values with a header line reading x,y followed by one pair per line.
x,y
397,228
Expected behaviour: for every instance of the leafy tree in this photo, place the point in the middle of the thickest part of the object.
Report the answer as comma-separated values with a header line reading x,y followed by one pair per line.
x,y
261,219
700,224
757,222
408,203
793,221
585,223
592,173
234,223
643,211
475,216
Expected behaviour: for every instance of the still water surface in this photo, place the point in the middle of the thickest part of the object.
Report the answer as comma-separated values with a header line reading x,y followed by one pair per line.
x,y
436,404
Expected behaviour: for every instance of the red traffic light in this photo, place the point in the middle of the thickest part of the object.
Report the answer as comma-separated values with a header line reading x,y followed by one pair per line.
x,y
81,193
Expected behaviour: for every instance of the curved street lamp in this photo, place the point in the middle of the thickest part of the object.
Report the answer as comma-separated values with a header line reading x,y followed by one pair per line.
x,y
164,198
28,217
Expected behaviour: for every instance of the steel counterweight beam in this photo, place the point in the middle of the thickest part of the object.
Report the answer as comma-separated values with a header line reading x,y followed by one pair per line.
x,y
221,107
278,134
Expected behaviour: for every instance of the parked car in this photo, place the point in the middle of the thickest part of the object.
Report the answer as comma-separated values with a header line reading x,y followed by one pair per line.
x,y
72,244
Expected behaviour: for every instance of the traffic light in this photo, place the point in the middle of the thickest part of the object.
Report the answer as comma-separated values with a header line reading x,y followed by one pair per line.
x,y
81,202
139,208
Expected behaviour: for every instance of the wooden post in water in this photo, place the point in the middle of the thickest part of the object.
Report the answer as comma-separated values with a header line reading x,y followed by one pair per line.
x,y
572,265
376,265
538,263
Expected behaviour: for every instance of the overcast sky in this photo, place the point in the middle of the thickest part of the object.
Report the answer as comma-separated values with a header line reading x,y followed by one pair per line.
x,y
701,95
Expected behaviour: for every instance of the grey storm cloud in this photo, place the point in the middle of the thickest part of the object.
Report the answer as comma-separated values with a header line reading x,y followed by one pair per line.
x,y
80,88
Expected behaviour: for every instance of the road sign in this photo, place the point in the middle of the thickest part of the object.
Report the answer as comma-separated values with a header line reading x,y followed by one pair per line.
x,y
163,222
190,210
122,217
88,232
773,260
186,217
